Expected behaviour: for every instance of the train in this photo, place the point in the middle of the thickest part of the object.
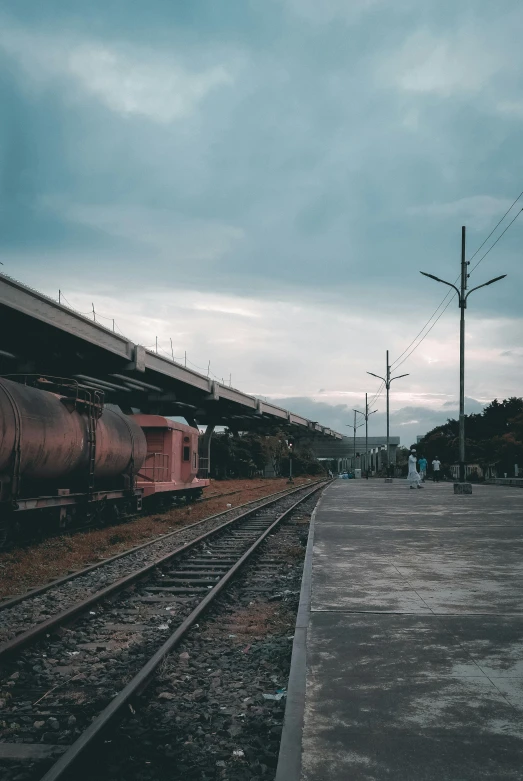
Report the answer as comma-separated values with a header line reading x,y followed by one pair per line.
x,y
68,458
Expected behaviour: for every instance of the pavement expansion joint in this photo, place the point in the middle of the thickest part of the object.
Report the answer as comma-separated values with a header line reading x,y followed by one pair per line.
x,y
408,648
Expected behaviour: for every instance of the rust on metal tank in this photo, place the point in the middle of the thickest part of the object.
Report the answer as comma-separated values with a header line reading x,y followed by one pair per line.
x,y
120,445
50,438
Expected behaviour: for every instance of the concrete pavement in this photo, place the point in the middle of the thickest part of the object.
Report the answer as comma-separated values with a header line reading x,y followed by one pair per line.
x,y
414,641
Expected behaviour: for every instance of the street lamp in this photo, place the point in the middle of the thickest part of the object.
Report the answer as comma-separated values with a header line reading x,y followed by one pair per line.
x,y
462,303
387,380
354,427
366,415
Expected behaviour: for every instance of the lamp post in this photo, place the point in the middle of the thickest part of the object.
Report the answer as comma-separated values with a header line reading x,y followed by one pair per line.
x,y
354,427
290,446
366,415
462,303
387,380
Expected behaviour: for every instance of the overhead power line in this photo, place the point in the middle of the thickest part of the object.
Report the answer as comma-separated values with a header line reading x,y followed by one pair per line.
x,y
395,364
428,332
493,245
377,394
496,226
447,299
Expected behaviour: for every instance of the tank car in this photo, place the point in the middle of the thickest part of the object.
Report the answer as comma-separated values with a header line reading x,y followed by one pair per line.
x,y
65,456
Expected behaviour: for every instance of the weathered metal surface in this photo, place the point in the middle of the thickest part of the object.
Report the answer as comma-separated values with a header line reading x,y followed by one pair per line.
x,y
120,445
52,437
70,500
165,467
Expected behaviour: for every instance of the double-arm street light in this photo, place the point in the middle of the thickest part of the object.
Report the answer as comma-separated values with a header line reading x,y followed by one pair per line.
x,y
387,380
462,303
366,415
354,427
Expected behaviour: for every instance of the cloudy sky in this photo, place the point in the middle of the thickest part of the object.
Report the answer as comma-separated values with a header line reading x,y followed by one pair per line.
x,y
261,181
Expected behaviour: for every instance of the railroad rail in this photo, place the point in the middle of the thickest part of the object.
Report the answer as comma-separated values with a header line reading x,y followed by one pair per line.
x,y
157,543
6,545
177,588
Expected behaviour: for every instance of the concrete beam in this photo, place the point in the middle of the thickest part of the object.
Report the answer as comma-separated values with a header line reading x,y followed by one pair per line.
x,y
37,306
120,356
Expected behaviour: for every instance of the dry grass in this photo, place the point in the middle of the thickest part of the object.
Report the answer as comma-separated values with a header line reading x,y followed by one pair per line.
x,y
26,568
259,620
292,553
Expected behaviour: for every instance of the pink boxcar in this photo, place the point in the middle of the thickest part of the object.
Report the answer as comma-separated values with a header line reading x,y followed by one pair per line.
x,y
171,463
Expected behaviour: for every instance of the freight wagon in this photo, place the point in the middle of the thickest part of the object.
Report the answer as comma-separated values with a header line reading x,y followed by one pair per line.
x,y
66,457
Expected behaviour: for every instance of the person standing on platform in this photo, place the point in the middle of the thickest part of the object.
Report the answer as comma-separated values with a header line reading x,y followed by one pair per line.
x,y
423,468
413,476
436,466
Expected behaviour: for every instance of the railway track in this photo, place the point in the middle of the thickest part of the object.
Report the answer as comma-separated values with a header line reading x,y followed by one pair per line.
x,y
116,566
67,678
9,542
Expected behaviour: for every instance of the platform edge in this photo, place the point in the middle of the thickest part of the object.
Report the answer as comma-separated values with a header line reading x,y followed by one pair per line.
x,y
289,758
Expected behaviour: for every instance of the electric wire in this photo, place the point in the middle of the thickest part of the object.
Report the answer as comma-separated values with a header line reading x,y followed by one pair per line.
x,y
493,245
377,395
428,332
495,228
62,297
396,364
374,398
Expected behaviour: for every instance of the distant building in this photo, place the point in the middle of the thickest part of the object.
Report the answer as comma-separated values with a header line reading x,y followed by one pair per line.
x,y
471,470
342,450
419,437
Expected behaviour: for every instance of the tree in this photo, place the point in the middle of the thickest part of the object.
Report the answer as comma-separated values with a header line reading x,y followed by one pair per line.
x,y
493,437
245,454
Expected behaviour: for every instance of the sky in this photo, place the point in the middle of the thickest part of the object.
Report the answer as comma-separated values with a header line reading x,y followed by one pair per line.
x,y
257,184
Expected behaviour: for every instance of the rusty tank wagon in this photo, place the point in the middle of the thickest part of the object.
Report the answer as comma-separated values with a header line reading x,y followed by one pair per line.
x,y
66,456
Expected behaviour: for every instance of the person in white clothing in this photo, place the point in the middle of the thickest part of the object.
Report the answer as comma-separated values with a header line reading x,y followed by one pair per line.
x,y
436,466
413,476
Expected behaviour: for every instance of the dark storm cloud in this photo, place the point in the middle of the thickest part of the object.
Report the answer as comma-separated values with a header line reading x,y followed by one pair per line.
x,y
293,153
315,149
407,422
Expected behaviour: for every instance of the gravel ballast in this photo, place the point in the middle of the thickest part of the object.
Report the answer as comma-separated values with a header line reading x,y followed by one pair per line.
x,y
40,607
206,717
37,563
238,653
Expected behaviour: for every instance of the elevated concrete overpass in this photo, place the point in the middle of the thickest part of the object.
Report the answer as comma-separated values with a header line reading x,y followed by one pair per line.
x,y
41,336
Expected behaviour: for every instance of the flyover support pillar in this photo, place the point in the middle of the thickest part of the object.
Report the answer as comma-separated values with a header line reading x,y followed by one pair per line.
x,y
206,446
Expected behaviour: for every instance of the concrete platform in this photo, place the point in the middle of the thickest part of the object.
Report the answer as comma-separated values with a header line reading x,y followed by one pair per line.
x,y
408,653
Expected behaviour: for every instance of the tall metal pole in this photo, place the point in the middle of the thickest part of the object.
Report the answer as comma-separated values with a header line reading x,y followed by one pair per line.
x,y
462,305
387,381
366,438
366,415
354,427
354,442
387,385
